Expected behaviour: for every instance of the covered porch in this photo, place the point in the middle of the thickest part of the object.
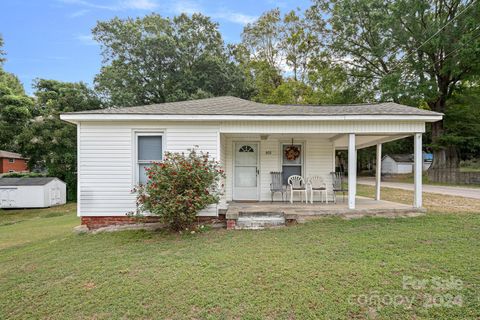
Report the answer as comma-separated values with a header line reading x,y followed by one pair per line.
x,y
249,158
263,214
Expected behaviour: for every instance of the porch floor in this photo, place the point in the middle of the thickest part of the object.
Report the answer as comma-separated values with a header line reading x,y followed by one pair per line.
x,y
303,211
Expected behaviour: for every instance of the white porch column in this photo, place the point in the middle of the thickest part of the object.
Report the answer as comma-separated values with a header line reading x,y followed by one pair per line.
x,y
352,171
418,164
378,171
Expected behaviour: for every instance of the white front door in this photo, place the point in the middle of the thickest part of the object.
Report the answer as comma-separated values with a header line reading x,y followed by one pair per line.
x,y
245,180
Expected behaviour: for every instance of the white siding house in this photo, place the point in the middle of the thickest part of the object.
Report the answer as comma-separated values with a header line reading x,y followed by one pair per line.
x,y
112,143
32,192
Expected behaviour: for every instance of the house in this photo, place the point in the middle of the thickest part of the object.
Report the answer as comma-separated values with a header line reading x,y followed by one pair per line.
x,y
38,192
12,162
249,139
403,163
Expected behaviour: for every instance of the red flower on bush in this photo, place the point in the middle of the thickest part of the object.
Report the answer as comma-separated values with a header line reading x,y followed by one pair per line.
x,y
179,187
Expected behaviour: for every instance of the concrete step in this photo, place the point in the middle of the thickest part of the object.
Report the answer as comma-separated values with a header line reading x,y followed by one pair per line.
x,y
256,221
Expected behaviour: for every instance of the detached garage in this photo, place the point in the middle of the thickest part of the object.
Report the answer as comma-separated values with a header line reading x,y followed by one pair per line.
x,y
39,192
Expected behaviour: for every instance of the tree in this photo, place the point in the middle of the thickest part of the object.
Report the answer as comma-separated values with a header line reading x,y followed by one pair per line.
x,y
411,51
154,59
2,52
15,107
462,122
332,84
50,142
285,61
299,44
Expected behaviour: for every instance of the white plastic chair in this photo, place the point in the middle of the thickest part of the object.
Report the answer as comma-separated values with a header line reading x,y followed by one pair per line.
x,y
297,184
316,184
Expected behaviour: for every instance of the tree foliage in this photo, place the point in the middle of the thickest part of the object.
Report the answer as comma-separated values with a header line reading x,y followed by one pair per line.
x,y
284,58
155,59
49,142
15,108
410,51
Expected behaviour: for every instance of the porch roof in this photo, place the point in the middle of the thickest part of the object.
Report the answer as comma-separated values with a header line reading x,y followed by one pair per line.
x,y
231,106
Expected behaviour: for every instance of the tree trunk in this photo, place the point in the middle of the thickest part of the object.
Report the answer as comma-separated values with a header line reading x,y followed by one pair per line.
x,y
445,157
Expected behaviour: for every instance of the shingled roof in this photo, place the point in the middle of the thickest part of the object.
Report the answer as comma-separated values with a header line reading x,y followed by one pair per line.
x,y
236,106
10,155
25,181
401,157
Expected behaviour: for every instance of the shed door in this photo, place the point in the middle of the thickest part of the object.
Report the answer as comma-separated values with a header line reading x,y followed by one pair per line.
x,y
245,181
8,197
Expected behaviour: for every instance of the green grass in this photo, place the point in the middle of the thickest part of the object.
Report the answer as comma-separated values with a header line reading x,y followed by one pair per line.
x,y
408,178
23,226
303,271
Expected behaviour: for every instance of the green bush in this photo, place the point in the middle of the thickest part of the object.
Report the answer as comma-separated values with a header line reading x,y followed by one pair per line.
x,y
24,175
179,187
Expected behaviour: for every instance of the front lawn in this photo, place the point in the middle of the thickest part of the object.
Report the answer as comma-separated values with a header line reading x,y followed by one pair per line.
x,y
323,269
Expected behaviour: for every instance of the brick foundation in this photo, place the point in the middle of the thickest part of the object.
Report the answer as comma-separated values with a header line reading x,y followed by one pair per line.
x,y
105,221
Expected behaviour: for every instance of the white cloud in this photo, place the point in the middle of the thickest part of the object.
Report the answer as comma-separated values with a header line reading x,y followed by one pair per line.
x,y
174,6
86,39
79,13
234,17
191,7
139,4
185,6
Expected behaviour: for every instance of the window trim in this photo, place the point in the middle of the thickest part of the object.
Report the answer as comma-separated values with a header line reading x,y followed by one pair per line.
x,y
11,160
136,163
302,157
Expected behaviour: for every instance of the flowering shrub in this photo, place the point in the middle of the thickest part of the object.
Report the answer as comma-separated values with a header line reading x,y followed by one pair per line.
x,y
179,187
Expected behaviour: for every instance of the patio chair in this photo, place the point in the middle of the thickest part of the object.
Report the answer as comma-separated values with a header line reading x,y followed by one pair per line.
x,y
277,184
316,184
337,179
297,184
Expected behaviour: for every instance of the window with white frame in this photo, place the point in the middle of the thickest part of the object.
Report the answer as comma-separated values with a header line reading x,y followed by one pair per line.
x,y
292,164
149,149
11,160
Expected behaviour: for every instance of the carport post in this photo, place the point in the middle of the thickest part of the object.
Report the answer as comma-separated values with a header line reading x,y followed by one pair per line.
x,y
352,171
378,171
417,172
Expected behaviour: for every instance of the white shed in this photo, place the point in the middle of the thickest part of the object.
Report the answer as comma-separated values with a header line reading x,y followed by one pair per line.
x,y
41,192
403,163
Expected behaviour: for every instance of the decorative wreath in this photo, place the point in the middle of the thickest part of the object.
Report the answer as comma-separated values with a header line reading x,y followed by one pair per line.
x,y
292,152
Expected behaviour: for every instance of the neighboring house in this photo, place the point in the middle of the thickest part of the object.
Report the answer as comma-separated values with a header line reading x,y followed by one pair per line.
x,y
39,192
249,139
403,163
12,162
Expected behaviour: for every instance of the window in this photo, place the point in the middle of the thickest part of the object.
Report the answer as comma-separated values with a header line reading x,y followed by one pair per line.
x,y
11,160
149,149
246,148
11,171
292,164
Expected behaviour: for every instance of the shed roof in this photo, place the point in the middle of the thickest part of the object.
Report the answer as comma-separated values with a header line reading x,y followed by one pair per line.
x,y
10,155
235,106
26,181
402,157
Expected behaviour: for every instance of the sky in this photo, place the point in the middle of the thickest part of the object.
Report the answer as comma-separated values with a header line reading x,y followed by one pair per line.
x,y
52,39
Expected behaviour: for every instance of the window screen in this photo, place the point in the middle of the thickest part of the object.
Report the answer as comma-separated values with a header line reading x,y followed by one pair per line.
x,y
149,149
